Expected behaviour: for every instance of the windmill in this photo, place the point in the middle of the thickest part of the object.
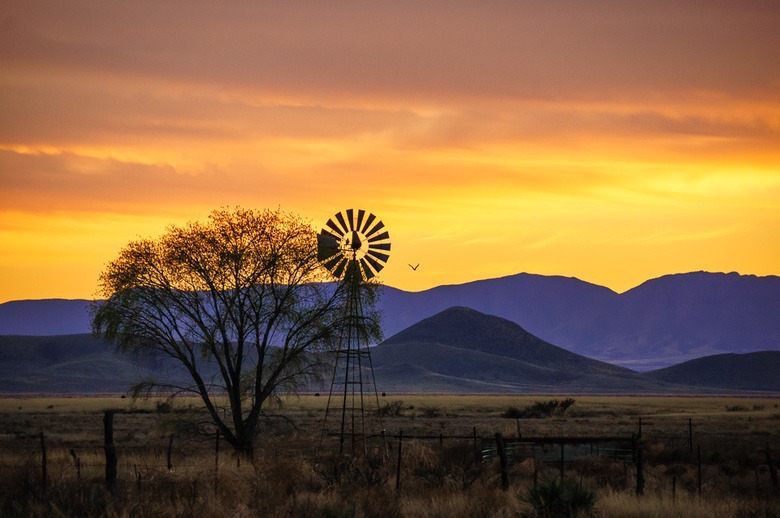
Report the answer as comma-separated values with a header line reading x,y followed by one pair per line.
x,y
354,246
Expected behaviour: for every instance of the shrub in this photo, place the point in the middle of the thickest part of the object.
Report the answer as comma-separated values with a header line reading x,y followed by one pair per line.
x,y
539,409
393,409
560,498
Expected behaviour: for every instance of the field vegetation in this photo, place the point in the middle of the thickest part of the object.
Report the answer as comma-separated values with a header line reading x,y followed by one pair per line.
x,y
296,474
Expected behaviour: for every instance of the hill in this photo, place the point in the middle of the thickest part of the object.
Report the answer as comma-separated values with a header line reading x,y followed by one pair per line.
x,y
751,371
45,317
460,349
72,364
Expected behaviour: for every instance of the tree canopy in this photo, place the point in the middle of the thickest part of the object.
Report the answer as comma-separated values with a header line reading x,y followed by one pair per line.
x,y
240,302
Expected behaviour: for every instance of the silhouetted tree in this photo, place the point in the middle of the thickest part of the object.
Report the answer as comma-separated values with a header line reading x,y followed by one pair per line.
x,y
238,302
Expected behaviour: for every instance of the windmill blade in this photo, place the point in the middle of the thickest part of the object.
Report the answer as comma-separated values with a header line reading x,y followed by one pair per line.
x,y
339,270
367,272
333,262
340,217
379,226
361,215
327,245
374,264
380,256
380,237
351,219
380,246
335,228
370,220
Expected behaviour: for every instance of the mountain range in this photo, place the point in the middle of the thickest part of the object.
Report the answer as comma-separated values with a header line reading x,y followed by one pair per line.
x,y
458,350
659,323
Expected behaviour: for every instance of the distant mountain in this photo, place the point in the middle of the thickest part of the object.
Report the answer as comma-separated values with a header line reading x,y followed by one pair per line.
x,y
46,317
659,323
751,371
461,349
662,322
72,364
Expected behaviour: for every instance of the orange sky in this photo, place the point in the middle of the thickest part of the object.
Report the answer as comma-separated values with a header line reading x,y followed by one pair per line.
x,y
608,140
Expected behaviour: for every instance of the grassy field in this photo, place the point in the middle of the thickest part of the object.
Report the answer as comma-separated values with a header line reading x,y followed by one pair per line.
x,y
295,474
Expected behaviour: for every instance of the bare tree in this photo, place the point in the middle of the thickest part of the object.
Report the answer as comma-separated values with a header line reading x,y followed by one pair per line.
x,y
238,302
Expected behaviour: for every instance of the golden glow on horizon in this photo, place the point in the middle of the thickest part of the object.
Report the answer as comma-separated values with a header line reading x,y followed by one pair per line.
x,y
515,139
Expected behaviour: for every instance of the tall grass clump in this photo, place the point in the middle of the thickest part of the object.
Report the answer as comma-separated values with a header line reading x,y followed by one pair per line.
x,y
556,498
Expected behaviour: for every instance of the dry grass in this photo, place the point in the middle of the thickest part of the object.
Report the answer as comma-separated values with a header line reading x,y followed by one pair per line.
x,y
292,476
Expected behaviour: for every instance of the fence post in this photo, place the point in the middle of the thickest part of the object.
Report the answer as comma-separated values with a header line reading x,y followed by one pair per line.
x,y
476,448
44,480
216,462
441,440
772,467
110,449
137,478
519,435
690,434
640,470
640,428
503,461
698,466
398,467
562,458
77,462
170,448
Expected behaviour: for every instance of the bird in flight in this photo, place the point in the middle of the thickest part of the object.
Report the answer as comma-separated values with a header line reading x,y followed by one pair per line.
x,y
414,267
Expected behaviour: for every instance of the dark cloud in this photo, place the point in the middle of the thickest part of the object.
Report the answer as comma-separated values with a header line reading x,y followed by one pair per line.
x,y
550,50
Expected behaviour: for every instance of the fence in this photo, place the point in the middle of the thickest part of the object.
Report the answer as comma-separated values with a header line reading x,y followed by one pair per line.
x,y
560,451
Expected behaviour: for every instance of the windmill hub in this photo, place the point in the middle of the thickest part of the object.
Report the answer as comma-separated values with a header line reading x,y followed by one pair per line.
x,y
355,243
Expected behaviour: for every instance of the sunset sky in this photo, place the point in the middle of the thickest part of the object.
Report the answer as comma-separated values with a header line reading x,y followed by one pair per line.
x,y
613,141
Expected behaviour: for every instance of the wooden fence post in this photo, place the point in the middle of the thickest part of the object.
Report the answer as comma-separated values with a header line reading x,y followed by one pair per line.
x,y
398,467
503,461
690,434
640,470
519,435
698,466
44,479
772,466
110,449
562,459
640,428
170,448
476,448
77,463
674,488
216,462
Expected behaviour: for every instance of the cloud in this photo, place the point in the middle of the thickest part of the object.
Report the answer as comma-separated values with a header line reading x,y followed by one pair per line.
x,y
418,50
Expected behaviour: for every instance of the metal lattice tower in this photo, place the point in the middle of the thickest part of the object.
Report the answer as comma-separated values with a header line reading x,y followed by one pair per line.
x,y
354,248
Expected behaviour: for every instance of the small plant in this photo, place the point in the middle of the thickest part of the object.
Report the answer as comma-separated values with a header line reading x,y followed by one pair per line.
x,y
736,408
393,409
539,409
560,498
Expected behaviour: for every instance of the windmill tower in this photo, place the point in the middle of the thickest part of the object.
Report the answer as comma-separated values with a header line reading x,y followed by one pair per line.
x,y
354,247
